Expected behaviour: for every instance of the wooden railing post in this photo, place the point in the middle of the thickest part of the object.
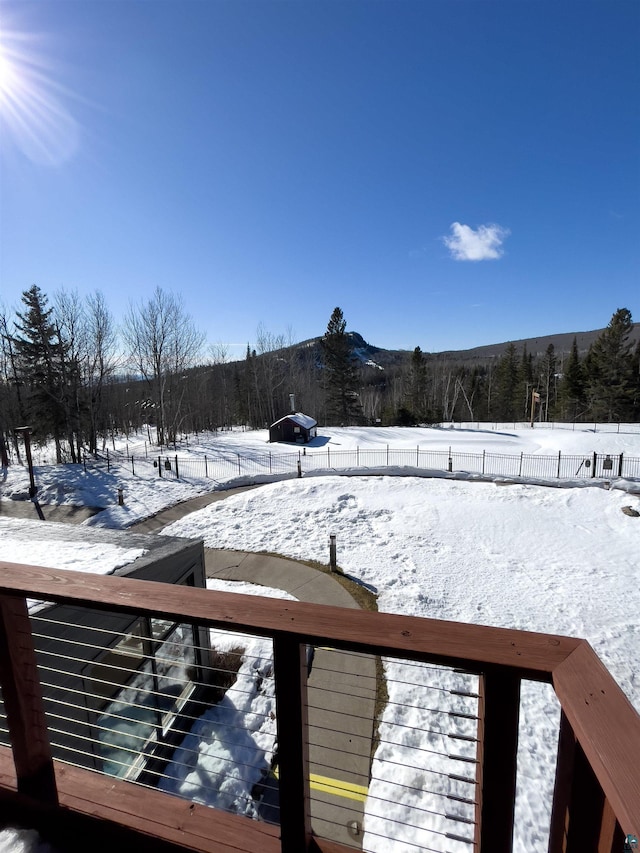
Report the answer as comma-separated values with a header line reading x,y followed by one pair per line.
x,y
499,711
23,703
581,819
290,670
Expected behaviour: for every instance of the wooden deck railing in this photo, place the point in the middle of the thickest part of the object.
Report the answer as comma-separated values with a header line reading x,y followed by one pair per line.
x,y
596,801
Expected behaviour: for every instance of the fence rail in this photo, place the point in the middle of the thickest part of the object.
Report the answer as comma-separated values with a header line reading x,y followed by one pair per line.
x,y
596,801
224,466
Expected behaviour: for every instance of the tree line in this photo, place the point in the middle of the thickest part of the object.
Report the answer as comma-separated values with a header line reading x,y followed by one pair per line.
x,y
77,379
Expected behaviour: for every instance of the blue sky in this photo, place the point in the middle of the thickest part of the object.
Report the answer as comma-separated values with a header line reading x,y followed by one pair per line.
x,y
449,173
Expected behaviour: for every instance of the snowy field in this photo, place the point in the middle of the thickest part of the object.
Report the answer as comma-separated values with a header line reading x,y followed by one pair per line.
x,y
522,555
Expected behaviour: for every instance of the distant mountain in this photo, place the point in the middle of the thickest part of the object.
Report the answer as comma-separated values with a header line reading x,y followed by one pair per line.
x,y
378,358
536,346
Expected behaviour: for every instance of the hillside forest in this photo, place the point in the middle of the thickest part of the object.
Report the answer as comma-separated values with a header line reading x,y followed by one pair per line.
x,y
77,378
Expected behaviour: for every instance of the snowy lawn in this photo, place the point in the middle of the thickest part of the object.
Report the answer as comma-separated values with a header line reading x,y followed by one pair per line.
x,y
557,560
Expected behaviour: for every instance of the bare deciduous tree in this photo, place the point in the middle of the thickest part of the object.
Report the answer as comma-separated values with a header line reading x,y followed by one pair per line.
x,y
163,342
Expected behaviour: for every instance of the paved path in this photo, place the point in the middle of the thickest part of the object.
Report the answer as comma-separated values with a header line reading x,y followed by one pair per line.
x,y
341,686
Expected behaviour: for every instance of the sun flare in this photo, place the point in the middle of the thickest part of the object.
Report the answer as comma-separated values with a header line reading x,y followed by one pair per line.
x,y
32,113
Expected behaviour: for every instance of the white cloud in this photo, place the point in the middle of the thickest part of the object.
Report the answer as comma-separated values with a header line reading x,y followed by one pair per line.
x,y
483,244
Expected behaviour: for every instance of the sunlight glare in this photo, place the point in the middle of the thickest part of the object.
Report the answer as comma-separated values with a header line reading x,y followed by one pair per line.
x,y
32,115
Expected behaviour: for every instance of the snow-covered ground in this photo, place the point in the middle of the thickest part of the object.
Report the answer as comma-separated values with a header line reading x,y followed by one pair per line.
x,y
523,555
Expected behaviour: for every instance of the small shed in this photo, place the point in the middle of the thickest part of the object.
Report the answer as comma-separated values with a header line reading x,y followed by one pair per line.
x,y
115,685
296,427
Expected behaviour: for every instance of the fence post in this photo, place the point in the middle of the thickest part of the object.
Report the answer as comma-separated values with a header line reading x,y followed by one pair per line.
x,y
520,468
23,705
84,462
558,465
206,470
328,458
332,552
620,465
177,472
593,469
358,456
498,712
239,466
450,462
108,464
387,455
483,455
160,466
133,470
270,470
290,671
418,456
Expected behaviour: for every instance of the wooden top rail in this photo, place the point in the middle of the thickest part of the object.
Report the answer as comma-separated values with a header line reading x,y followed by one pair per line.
x,y
473,647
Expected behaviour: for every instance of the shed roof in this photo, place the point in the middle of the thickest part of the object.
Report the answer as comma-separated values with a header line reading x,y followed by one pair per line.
x,y
305,421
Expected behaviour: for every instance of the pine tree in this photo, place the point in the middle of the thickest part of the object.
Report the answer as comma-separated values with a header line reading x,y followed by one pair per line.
x,y
343,405
40,356
504,399
415,409
572,391
609,366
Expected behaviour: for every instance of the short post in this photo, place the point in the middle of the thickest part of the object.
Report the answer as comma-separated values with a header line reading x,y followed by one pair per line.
x,y
332,553
450,462
593,469
177,472
108,463
159,466
133,468
559,464
299,467
206,470
620,465
120,496
25,431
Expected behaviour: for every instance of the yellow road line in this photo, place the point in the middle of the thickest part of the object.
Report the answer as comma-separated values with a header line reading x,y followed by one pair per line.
x,y
335,786
338,788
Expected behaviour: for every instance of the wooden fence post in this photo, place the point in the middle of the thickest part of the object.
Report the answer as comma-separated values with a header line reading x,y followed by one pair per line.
x,y
23,703
499,711
581,819
290,668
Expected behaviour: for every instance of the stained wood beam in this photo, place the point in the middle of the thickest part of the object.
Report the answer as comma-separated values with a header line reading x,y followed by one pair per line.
x,y
23,703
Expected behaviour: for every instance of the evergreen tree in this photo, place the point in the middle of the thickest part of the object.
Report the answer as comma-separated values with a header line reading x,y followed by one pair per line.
x,y
341,381
415,409
609,366
572,385
40,354
504,399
